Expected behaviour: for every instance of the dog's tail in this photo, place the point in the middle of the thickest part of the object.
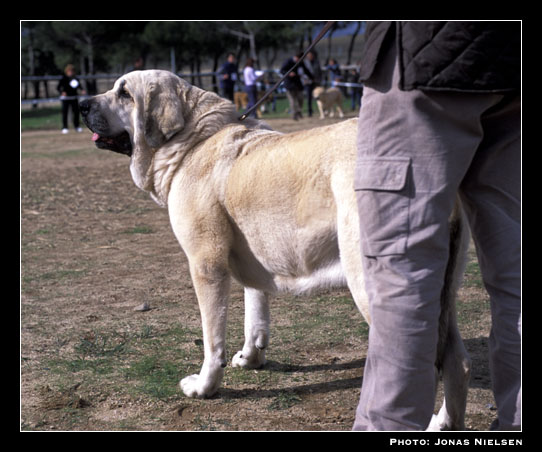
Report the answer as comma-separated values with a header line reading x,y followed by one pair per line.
x,y
459,242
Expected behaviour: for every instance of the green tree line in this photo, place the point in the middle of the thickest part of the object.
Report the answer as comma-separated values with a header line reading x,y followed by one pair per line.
x,y
101,47
112,46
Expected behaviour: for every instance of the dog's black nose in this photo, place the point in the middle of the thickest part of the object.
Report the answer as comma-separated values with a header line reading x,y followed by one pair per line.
x,y
84,107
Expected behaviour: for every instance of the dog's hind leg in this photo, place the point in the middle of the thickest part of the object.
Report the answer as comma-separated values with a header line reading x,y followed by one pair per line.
x,y
456,376
252,356
452,358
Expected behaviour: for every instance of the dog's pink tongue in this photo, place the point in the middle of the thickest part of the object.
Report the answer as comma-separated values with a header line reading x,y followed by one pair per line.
x,y
95,136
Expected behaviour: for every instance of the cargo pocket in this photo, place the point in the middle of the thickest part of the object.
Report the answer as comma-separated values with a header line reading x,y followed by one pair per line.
x,y
383,196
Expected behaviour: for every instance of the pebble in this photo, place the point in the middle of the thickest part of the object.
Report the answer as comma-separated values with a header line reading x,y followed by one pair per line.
x,y
143,307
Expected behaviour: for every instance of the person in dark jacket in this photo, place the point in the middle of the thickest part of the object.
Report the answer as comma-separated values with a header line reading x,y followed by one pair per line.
x,y
228,77
293,85
441,113
69,87
313,66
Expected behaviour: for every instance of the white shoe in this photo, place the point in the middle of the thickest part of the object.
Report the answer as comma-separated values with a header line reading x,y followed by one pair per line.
x,y
65,131
79,129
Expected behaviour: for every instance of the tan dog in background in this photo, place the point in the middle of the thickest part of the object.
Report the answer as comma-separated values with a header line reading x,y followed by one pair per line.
x,y
277,212
240,99
328,98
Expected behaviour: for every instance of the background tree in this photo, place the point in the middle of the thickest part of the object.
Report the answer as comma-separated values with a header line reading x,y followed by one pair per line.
x,y
112,47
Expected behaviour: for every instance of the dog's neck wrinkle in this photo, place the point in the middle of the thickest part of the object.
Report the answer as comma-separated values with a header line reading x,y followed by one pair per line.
x,y
168,159
163,166
198,128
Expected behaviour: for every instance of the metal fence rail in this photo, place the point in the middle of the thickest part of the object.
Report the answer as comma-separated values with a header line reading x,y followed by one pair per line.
x,y
107,81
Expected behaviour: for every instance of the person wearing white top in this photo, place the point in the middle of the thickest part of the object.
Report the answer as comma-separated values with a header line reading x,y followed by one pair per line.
x,y
250,77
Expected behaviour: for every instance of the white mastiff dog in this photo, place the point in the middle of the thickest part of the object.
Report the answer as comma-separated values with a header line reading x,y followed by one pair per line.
x,y
276,211
326,99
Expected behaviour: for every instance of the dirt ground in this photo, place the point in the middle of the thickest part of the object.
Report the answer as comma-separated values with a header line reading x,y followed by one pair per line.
x,y
94,248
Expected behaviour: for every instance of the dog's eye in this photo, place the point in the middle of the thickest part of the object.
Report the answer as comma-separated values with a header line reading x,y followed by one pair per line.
x,y
122,93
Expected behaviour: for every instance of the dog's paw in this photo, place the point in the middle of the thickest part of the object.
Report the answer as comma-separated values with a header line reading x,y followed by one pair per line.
x,y
251,362
434,425
194,386
439,422
443,422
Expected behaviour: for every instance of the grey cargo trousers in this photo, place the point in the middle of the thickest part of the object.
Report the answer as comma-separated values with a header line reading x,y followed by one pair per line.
x,y
416,151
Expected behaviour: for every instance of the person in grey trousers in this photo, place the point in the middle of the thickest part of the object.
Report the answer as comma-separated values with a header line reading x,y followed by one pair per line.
x,y
441,109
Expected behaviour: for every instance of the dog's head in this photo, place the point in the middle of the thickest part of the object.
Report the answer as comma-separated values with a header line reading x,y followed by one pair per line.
x,y
317,92
141,113
143,109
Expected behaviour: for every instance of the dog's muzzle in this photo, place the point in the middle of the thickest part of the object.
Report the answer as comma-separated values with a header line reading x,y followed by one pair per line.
x,y
120,143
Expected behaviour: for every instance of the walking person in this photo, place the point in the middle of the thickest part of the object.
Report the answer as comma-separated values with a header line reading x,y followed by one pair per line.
x,y
68,88
313,66
250,77
293,85
335,73
228,77
440,116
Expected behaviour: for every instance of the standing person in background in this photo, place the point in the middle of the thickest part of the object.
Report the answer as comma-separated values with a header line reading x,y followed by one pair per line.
x,y
335,74
440,117
68,88
249,77
293,85
228,77
356,91
313,66
139,65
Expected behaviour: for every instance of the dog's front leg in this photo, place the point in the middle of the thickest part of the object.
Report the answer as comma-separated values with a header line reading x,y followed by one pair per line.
x,y
212,284
320,108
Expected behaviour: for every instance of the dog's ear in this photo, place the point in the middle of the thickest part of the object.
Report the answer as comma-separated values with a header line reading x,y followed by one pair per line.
x,y
162,111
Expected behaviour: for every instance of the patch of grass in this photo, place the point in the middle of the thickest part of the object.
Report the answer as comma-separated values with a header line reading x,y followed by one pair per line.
x,y
96,367
95,353
322,320
56,275
41,118
126,356
139,230
207,423
237,376
56,154
284,400
143,363
473,276
156,377
473,300
282,106
100,345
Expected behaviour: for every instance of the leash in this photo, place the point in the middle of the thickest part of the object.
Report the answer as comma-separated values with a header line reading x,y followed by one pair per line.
x,y
324,30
